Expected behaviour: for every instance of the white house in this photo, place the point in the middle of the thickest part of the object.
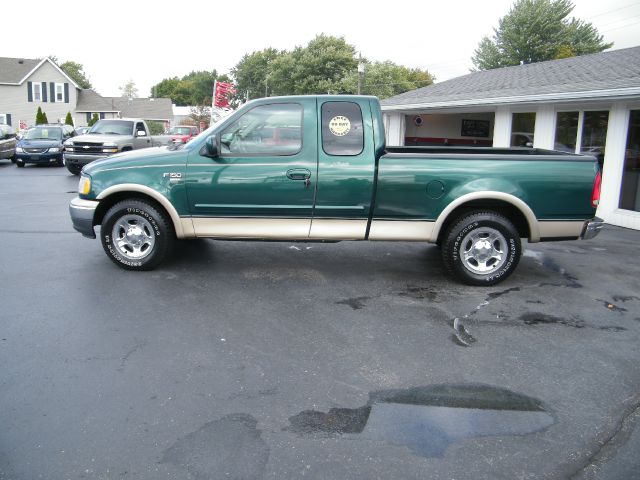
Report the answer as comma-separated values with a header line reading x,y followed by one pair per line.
x,y
26,84
588,104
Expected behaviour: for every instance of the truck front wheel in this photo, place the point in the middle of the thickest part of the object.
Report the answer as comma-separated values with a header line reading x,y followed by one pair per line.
x,y
136,235
481,248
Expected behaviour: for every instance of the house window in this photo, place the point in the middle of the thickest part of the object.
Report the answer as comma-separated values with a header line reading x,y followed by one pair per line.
x,y
36,89
59,92
3,119
566,131
522,127
630,189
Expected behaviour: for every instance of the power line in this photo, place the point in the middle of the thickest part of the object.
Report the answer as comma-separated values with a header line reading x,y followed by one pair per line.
x,y
622,26
615,10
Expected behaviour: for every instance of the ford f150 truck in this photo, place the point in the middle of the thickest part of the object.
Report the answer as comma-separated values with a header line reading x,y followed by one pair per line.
x,y
108,137
315,168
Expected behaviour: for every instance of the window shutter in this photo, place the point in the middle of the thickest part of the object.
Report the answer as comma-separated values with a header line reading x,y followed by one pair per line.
x,y
8,119
66,93
29,91
44,91
101,116
52,91
88,117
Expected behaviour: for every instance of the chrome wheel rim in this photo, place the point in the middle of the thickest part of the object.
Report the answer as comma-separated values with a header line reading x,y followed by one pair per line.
x,y
483,251
133,237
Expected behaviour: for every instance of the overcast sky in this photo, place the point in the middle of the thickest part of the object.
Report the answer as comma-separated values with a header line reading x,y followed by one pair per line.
x,y
148,41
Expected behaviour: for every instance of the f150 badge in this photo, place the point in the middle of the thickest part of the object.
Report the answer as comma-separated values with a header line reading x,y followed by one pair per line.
x,y
173,177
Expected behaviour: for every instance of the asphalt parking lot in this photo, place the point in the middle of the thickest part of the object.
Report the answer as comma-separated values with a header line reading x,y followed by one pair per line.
x,y
248,360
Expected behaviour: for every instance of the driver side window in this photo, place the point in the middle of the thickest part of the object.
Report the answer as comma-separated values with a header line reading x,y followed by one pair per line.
x,y
274,129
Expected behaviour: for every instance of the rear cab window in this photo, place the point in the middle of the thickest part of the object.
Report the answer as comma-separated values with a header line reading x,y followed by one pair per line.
x,y
342,130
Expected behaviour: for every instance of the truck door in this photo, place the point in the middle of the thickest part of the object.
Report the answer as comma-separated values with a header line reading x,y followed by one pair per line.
x,y
346,169
262,185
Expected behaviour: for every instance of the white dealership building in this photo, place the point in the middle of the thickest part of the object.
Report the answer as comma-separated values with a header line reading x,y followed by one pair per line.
x,y
588,104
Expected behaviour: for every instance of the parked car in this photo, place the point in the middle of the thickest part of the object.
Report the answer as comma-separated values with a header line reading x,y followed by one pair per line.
x,y
7,143
82,130
108,137
43,144
316,168
182,133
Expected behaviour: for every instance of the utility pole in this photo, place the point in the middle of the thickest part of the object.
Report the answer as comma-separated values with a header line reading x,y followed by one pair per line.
x,y
360,73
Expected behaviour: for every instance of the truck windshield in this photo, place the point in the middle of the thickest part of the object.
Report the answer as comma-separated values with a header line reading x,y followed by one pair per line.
x,y
113,127
44,133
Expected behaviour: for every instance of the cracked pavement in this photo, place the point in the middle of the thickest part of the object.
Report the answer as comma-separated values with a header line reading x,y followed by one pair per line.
x,y
199,369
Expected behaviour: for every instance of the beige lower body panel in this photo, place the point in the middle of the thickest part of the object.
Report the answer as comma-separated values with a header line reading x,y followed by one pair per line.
x,y
265,228
560,229
322,229
413,231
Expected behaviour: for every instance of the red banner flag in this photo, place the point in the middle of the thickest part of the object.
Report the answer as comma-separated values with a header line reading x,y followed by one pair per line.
x,y
221,92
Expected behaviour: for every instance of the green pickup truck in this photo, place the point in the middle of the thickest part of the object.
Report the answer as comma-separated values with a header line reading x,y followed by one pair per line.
x,y
315,168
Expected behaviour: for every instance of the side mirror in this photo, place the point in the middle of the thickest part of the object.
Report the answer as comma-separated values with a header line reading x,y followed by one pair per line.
x,y
212,146
529,144
141,133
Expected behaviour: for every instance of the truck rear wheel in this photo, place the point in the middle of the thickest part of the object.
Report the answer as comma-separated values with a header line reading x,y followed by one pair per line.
x,y
74,169
136,235
481,248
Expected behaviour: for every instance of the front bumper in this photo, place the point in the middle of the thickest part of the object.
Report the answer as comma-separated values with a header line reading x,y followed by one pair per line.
x,y
39,158
82,212
592,228
81,160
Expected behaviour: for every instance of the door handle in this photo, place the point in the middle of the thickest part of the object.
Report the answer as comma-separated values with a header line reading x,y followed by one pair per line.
x,y
298,174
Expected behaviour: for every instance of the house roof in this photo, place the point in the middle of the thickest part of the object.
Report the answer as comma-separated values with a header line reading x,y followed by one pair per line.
x,y
147,108
14,71
91,101
606,74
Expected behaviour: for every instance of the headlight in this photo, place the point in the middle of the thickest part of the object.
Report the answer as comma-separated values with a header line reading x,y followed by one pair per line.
x,y
19,150
54,149
85,185
110,150
68,143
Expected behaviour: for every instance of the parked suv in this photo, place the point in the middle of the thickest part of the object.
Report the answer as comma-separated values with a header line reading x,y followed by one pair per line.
x,y
43,145
7,143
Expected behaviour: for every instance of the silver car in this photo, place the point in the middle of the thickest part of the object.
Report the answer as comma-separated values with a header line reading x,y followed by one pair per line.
x,y
7,143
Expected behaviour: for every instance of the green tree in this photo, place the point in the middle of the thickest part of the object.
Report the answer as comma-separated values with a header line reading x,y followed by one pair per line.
x,y
535,31
39,117
320,67
155,127
129,90
68,120
386,79
44,117
252,73
94,119
76,72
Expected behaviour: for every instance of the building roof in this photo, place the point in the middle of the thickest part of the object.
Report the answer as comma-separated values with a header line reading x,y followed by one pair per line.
x,y
13,70
599,75
147,108
91,101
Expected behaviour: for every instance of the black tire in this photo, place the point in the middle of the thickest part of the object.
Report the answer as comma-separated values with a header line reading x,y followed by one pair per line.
x,y
13,159
74,169
60,163
150,239
492,247
20,163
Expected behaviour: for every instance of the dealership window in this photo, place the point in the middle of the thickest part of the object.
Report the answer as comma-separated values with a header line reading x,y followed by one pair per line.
x,y
36,89
522,127
59,92
630,190
594,134
566,131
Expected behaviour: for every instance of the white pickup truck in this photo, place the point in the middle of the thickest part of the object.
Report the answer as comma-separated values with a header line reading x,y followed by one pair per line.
x,y
108,137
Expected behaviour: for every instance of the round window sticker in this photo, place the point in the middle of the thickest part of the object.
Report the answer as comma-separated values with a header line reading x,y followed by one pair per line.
x,y
339,126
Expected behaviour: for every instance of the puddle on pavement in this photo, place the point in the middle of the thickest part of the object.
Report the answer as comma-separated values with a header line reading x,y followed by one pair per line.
x,y
429,419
